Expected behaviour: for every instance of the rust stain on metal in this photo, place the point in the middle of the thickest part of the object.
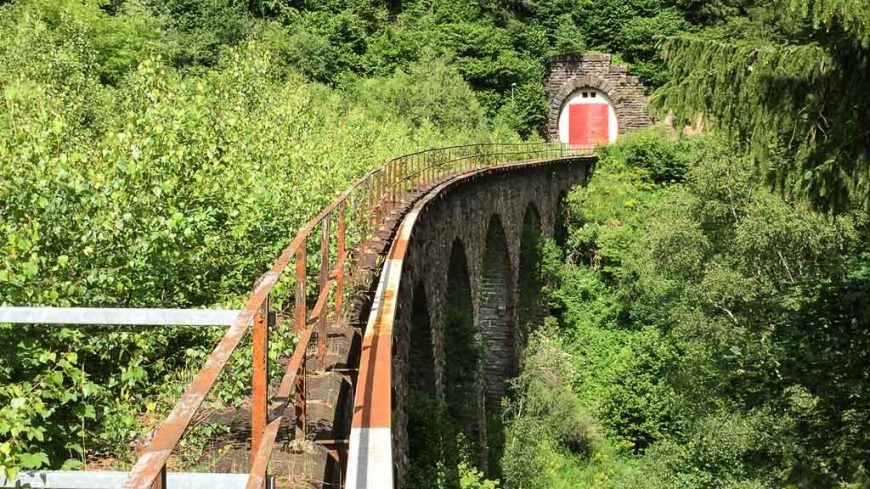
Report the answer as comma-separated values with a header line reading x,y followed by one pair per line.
x,y
293,367
260,378
260,457
318,312
374,195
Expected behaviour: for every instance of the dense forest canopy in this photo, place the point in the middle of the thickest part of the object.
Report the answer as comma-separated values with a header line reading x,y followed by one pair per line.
x,y
789,81
705,333
709,313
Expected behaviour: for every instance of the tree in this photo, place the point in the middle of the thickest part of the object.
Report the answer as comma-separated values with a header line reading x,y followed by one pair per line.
x,y
790,84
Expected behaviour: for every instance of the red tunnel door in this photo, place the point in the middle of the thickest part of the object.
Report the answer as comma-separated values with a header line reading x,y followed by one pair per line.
x,y
587,125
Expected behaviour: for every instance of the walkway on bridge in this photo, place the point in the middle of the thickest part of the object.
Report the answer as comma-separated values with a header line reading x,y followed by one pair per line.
x,y
299,421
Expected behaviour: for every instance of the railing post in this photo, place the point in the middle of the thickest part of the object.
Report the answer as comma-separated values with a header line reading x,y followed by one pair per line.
x,y
433,167
424,169
301,303
421,177
388,180
375,204
400,180
324,278
260,379
394,182
301,323
379,198
300,430
339,279
391,181
364,221
436,166
160,483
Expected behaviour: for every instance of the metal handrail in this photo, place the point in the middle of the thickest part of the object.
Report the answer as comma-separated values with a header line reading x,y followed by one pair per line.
x,y
373,197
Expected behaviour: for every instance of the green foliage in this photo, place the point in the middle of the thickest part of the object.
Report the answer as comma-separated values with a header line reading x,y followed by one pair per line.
x,y
430,93
55,38
545,419
719,454
787,83
127,182
441,455
708,333
543,390
639,37
198,30
713,328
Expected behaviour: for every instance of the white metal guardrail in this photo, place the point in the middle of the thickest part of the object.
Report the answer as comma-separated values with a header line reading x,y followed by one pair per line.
x,y
118,316
60,479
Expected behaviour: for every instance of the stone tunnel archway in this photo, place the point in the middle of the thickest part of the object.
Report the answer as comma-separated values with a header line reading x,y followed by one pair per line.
x,y
573,74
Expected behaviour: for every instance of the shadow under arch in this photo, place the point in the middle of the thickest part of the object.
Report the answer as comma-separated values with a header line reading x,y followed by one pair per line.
x,y
495,319
560,220
436,428
462,350
422,357
530,308
426,443
498,332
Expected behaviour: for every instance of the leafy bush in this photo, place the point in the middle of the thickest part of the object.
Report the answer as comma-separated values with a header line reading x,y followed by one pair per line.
x,y
135,184
711,325
441,455
431,92
544,416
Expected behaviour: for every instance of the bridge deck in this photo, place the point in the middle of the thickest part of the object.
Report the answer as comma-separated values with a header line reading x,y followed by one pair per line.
x,y
301,426
318,459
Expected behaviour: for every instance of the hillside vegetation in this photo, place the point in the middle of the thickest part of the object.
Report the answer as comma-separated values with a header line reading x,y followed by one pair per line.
x,y
709,307
129,181
705,333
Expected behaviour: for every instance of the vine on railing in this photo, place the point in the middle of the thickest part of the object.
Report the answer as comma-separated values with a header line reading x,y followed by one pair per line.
x,y
370,200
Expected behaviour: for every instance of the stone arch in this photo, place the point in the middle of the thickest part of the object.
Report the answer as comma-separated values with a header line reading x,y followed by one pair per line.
x,y
495,318
530,309
462,350
578,83
422,357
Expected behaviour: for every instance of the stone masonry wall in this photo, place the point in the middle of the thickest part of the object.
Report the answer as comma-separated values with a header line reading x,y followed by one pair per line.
x,y
571,72
464,212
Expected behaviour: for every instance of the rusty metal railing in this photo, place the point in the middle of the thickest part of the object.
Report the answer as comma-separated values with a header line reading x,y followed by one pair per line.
x,y
351,220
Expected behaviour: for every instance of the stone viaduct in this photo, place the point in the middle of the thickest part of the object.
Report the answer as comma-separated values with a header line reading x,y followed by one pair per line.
x,y
455,299
464,301
457,293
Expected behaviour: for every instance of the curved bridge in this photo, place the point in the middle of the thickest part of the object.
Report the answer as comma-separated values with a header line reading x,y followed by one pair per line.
x,y
436,232
461,251
415,272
